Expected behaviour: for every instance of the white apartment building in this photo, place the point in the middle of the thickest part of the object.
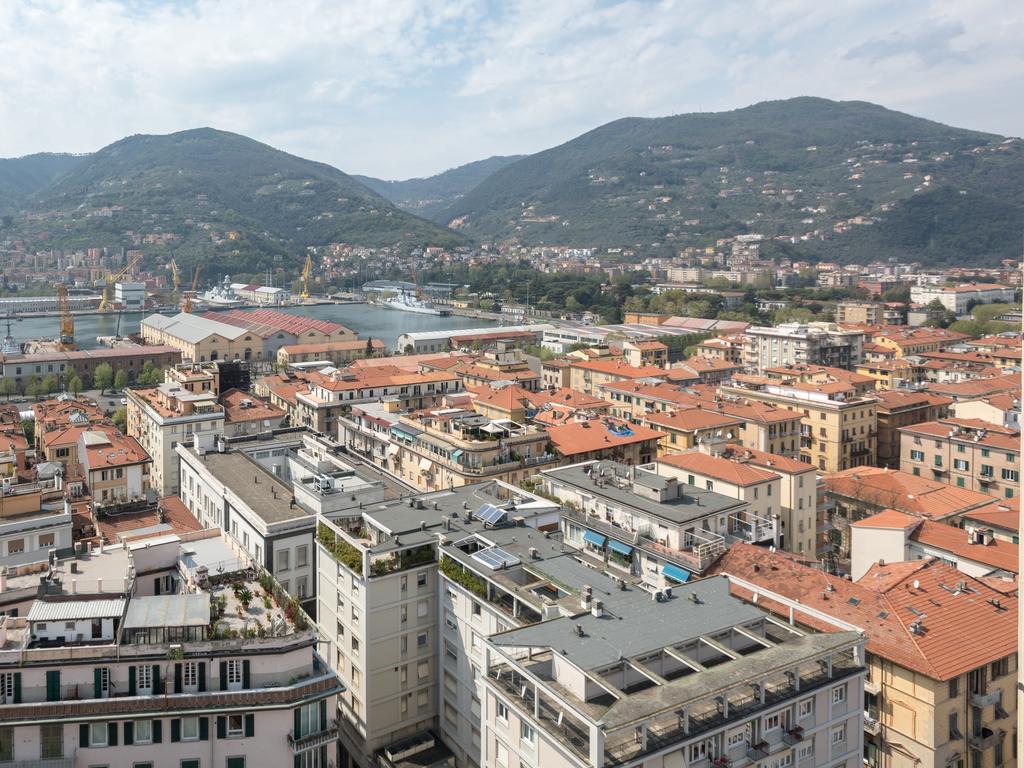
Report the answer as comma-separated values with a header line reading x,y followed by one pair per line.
x,y
800,344
956,298
179,680
130,296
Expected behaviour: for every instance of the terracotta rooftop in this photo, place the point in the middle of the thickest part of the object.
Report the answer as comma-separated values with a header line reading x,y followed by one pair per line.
x,y
895,399
963,390
171,511
318,347
904,492
256,410
1001,513
888,518
999,554
718,468
885,604
973,431
617,367
692,418
595,435
770,461
259,320
109,448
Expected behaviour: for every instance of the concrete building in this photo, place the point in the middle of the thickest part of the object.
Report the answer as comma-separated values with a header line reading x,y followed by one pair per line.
x,y
903,408
970,454
34,520
98,674
797,344
334,352
957,298
83,362
588,376
130,296
420,342
930,698
248,415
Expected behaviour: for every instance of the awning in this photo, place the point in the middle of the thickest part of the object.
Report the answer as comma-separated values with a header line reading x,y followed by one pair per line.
x,y
393,449
618,546
425,465
456,453
675,573
594,538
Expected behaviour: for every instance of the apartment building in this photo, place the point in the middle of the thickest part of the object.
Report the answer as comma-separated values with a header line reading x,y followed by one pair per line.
x,y
265,495
728,349
965,453
588,376
248,415
591,439
1002,409
396,607
902,408
838,420
449,447
649,352
161,417
504,363
893,374
333,352
915,341
115,467
798,344
930,698
588,689
859,312
222,673
958,298
33,520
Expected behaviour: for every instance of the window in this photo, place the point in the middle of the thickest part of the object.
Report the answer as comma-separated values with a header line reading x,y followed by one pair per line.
x,y
526,733
961,465
735,738
500,754
839,694
476,609
302,556
806,750
234,669
190,729
954,687
236,726
985,452
1000,667
421,640
938,460
15,546
190,674
6,743
421,579
45,540
502,712
1011,474
309,719
143,731
52,740
917,455
98,735
838,735
302,587
421,609
282,559
954,727
144,677
772,722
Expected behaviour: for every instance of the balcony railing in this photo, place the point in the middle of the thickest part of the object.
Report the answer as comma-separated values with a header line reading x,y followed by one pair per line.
x,y
314,740
984,738
871,723
53,762
982,700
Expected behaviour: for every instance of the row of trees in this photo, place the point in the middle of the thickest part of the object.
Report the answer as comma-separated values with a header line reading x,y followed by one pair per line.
x,y
103,379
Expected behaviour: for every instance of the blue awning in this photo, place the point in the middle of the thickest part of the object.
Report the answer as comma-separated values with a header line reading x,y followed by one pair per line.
x,y
675,573
594,538
618,546
456,453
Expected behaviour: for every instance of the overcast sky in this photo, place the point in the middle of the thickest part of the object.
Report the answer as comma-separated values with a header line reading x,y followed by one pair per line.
x,y
399,88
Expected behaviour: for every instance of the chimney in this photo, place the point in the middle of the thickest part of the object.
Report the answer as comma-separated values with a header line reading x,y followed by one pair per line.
x,y
586,595
597,609
99,585
74,586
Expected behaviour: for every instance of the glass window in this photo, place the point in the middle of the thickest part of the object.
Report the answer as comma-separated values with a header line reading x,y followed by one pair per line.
x,y
143,731
98,734
236,726
190,729
839,694
52,738
502,711
526,732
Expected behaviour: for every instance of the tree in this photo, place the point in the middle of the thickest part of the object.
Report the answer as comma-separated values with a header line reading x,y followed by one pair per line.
x,y
73,384
8,386
120,419
33,386
29,428
103,377
121,379
369,347
151,375
49,384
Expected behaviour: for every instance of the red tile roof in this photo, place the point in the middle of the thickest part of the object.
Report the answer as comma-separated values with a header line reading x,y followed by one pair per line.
x,y
999,554
904,492
594,435
257,410
718,468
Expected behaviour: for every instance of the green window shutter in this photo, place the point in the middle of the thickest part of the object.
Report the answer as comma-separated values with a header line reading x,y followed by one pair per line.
x,y
158,731
250,725
129,732
156,679
83,734
111,734
131,681
323,714
17,687
204,729
223,675
53,685
222,727
193,764
96,682
297,730
176,729
156,586
177,678
245,674
236,762
202,676
297,761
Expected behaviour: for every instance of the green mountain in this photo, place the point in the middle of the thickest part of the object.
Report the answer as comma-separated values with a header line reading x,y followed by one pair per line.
x,y
22,176
234,204
847,180
428,196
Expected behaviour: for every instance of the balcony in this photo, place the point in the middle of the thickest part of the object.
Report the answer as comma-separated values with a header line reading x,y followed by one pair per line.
x,y
314,740
871,723
982,700
752,528
56,762
793,736
984,738
757,751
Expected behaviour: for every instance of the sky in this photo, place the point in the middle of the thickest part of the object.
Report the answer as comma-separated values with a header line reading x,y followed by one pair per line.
x,y
403,88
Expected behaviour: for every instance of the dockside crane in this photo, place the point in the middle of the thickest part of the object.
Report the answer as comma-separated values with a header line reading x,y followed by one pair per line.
x,y
111,278
305,277
175,276
186,301
66,340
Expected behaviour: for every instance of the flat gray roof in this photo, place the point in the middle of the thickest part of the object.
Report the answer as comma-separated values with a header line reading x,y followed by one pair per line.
x,y
694,504
168,611
248,480
635,624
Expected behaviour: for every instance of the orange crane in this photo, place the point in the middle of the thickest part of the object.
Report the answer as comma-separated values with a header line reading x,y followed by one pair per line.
x,y
108,288
66,340
186,301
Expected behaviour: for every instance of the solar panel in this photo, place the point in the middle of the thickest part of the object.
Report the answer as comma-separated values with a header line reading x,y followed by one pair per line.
x,y
495,558
489,514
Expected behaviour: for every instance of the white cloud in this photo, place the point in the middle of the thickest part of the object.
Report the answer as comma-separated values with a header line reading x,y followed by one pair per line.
x,y
406,87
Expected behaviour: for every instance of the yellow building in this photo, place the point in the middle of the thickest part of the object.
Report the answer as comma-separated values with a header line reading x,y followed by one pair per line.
x,y
685,428
588,376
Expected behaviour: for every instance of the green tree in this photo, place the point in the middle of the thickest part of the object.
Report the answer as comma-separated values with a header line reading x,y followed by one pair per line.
x,y
29,428
150,375
121,379
8,386
120,419
73,384
48,384
103,377
33,386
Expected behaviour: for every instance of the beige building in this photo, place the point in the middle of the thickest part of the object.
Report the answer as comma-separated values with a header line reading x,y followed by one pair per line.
x,y
930,698
902,408
686,428
334,352
964,453
588,376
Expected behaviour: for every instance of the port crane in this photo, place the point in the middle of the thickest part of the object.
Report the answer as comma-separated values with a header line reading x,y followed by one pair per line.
x,y
186,301
111,278
66,340
175,276
305,277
